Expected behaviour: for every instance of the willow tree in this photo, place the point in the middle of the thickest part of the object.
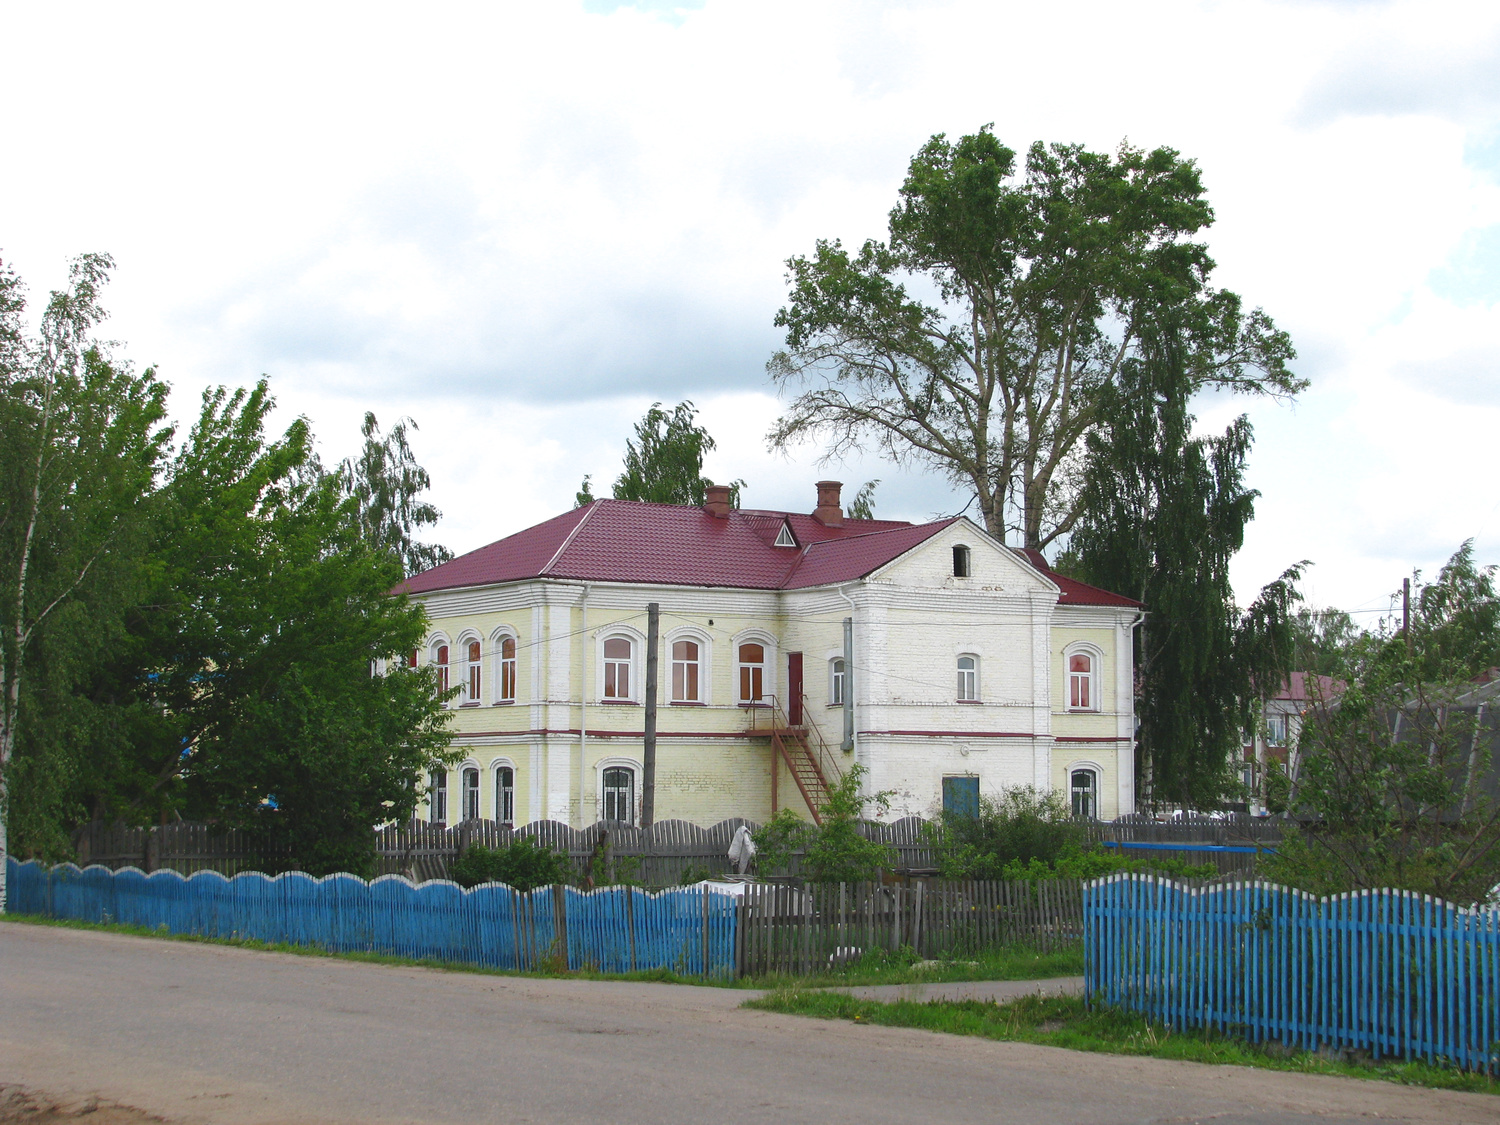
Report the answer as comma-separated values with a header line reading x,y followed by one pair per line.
x,y
980,338
1161,514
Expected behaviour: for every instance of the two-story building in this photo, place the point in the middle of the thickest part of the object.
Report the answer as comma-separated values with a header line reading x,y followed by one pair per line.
x,y
946,663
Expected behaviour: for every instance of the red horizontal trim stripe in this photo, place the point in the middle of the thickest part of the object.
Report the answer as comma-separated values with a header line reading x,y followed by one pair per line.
x,y
958,733
461,735
1082,738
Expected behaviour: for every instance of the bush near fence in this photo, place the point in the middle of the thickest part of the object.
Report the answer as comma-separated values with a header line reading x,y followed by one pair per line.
x,y
690,930
1391,973
657,856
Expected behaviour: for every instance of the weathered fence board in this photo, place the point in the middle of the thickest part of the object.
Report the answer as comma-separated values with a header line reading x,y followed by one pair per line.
x,y
1389,972
688,929
658,856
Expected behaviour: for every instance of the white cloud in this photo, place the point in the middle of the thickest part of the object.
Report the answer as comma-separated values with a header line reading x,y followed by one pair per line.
x,y
522,223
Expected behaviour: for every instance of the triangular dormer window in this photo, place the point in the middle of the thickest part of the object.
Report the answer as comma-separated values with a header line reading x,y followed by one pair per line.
x,y
785,538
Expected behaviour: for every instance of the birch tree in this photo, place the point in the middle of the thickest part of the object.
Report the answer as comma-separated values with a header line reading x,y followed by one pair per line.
x,y
82,440
978,338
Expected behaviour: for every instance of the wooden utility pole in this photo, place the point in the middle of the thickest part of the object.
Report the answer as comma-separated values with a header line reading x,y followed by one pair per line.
x,y
648,758
1406,614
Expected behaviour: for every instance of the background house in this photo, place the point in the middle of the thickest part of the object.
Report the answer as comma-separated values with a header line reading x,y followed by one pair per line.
x,y
969,666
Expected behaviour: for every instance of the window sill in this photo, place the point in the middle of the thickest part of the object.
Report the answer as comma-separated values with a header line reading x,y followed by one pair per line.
x,y
969,702
1084,711
618,703
503,703
475,703
755,706
688,703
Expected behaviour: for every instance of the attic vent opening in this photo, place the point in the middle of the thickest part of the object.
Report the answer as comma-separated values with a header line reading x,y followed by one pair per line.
x,y
784,538
960,561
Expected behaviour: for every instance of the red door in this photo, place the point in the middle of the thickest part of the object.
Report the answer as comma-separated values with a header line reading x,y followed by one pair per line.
x,y
794,688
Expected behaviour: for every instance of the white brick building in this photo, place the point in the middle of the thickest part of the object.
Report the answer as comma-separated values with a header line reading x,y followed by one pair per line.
x,y
973,667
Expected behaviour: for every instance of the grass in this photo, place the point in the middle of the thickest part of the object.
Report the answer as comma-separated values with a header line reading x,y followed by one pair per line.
x,y
1066,1021
876,967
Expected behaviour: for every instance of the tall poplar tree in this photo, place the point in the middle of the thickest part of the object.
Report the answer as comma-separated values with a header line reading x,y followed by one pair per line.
x,y
1162,513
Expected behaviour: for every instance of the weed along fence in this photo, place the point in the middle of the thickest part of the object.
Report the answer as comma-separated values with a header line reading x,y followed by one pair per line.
x,y
613,929
1392,973
801,929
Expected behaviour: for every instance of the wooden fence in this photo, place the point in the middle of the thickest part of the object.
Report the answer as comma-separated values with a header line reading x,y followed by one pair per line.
x,y
1391,973
614,929
658,856
805,929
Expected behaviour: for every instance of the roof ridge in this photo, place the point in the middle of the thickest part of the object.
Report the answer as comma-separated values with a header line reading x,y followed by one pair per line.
x,y
577,527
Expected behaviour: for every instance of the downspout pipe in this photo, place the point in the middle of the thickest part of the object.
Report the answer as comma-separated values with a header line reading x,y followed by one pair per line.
x,y
850,738
583,713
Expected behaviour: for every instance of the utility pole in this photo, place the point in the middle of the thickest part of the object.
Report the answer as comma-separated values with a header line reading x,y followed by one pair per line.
x,y
1406,614
648,782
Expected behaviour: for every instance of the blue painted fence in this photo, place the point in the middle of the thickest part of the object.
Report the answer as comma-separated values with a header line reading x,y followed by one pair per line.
x,y
690,930
1397,974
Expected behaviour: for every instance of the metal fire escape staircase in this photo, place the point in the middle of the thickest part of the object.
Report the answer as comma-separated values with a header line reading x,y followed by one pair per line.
x,y
807,757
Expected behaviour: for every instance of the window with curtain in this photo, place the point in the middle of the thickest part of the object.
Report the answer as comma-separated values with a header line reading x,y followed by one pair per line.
x,y
617,660
1080,682
687,669
752,673
474,679
507,669
440,658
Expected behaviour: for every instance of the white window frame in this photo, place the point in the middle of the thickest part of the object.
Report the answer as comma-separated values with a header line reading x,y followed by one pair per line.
x,y
437,812
444,668
498,812
1098,790
705,648
837,681
472,694
1096,660
968,678
465,771
498,639
768,666
636,772
637,652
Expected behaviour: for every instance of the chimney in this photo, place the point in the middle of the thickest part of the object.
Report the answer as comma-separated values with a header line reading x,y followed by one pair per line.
x,y
716,500
828,513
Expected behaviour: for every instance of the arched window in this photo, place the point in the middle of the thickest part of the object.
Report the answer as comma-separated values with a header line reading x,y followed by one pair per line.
x,y
752,672
507,669
836,681
437,797
617,660
440,658
473,677
968,679
471,793
960,561
687,666
619,794
505,795
1083,786
1081,694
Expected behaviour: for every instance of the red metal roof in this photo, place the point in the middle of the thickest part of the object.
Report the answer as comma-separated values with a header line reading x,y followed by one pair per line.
x,y
673,545
1074,592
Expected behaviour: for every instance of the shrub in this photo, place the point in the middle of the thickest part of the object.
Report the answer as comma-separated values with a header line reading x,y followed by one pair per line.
x,y
1022,825
523,864
834,851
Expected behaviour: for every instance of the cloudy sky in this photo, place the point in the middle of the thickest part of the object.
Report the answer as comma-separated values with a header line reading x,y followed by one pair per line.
x,y
520,224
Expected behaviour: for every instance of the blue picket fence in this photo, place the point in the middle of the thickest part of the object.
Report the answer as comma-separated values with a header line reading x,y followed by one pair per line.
x,y
1396,974
690,930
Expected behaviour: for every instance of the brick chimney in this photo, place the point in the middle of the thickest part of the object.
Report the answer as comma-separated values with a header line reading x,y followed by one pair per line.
x,y
828,513
716,500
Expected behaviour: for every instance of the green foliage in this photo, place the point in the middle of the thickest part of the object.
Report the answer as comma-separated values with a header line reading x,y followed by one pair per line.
x,y
1161,516
522,864
1022,826
1040,289
210,616
834,851
386,484
664,464
1092,863
863,505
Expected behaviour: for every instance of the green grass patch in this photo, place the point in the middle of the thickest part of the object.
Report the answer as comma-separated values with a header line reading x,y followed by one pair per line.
x,y
1066,1021
903,966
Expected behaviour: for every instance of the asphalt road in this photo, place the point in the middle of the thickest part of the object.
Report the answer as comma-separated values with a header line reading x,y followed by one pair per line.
x,y
216,1034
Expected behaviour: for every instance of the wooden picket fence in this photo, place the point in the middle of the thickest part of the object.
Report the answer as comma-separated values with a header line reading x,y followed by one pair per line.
x,y
690,930
658,856
1391,973
798,930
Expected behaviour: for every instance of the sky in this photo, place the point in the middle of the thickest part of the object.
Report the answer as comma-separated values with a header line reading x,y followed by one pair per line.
x,y
521,224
